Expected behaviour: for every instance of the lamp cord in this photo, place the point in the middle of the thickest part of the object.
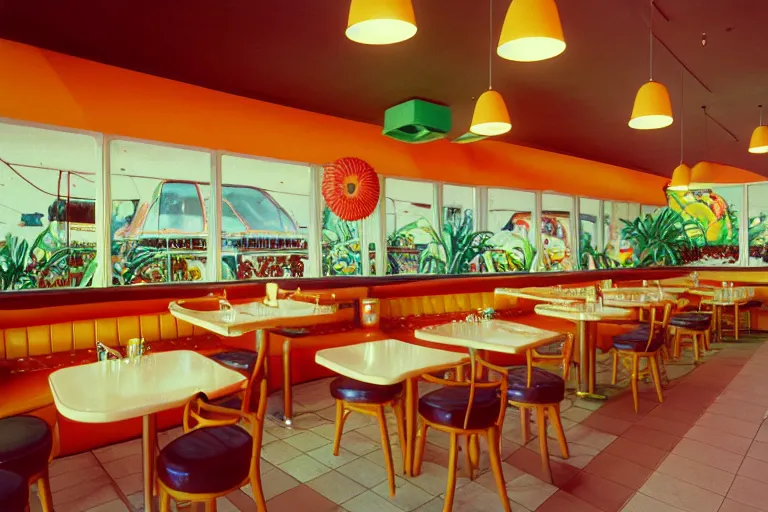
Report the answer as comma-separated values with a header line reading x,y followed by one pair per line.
x,y
490,46
651,38
761,114
706,145
682,111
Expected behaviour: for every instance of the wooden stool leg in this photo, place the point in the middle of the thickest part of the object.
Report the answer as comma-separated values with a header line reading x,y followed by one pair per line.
x,y
615,373
695,339
525,424
676,350
165,501
210,505
654,362
421,445
707,339
554,417
635,392
397,405
542,420
340,418
386,449
255,472
736,321
450,488
44,491
494,455
468,457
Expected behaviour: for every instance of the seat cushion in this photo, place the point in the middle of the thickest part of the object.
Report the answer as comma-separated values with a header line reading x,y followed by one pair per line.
x,y
240,360
636,340
206,460
351,390
752,304
694,321
14,492
25,445
546,387
448,406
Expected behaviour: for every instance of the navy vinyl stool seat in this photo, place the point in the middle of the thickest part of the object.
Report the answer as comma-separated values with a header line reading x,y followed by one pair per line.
x,y
25,449
14,492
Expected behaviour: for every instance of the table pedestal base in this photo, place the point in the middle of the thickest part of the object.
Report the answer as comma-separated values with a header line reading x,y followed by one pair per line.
x,y
148,453
586,342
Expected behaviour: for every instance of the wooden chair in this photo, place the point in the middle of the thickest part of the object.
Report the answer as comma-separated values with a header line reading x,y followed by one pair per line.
x,y
216,456
370,399
26,448
534,389
644,342
698,326
562,359
466,409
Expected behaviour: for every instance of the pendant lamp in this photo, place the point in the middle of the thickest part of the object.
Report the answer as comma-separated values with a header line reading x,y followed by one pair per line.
x,y
381,21
704,173
681,176
652,108
491,116
759,141
531,31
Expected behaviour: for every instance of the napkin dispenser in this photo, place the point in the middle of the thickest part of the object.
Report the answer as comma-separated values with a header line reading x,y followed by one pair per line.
x,y
370,311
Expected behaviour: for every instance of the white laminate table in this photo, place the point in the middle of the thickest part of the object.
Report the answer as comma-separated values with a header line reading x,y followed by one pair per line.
x,y
582,315
489,335
550,295
388,362
116,390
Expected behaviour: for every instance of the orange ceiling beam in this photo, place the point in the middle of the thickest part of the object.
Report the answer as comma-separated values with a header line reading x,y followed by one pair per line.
x,y
47,87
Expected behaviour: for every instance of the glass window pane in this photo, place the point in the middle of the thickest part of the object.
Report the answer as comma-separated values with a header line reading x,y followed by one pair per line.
x,y
265,223
413,245
341,245
511,247
758,225
463,243
589,210
618,250
47,208
159,223
556,236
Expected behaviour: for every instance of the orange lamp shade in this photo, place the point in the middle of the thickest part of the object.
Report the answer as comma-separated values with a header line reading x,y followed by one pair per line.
x,y
491,116
704,175
759,141
652,109
381,21
531,31
681,178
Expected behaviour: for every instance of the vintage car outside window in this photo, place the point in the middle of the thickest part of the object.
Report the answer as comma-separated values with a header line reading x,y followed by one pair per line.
x,y
180,208
258,210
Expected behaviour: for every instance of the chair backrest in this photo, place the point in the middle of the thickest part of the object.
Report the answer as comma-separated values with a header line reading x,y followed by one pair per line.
x,y
658,327
256,390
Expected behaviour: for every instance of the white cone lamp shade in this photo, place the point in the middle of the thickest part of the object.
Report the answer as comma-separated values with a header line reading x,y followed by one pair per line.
x,y
381,21
681,178
652,109
759,141
491,116
531,31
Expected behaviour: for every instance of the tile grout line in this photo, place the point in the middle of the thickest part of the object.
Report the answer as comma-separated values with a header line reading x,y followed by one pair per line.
x,y
120,494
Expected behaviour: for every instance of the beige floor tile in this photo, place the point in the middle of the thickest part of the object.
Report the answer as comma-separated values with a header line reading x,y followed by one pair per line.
x,y
680,494
307,441
642,503
118,451
273,483
336,487
304,468
373,432
407,496
364,472
131,483
85,497
111,506
369,501
580,455
475,498
433,479
590,437
357,443
529,491
325,456
71,479
327,430
224,505
124,466
278,452
73,463
308,421
377,457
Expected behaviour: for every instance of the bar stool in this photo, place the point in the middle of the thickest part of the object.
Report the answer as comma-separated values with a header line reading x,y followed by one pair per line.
x,y
25,449
14,492
370,399
696,325
748,308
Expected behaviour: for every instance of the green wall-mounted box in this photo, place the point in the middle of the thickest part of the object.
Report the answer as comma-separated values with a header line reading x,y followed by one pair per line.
x,y
417,121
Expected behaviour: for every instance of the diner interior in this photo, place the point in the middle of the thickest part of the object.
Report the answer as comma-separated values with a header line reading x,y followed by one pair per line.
x,y
384,256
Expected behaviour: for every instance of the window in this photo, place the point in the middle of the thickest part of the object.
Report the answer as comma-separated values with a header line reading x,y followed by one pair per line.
x,y
589,240
268,210
511,248
758,225
618,222
556,235
47,208
464,245
413,244
159,220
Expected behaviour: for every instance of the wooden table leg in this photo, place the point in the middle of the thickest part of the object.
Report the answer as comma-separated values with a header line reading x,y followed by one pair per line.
x,y
287,389
592,351
149,436
736,321
411,401
581,334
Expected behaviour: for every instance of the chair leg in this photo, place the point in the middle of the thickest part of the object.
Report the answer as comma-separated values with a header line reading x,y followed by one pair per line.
x,y
525,424
165,501
695,340
554,417
341,416
399,418
421,445
468,457
255,473
44,491
676,350
736,321
450,488
541,418
707,339
494,454
615,372
654,362
633,378
210,505
386,449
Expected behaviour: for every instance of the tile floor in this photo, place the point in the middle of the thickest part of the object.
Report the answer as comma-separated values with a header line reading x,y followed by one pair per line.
x,y
704,449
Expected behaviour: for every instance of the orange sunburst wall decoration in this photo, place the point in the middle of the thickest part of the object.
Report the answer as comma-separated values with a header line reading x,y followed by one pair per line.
x,y
350,188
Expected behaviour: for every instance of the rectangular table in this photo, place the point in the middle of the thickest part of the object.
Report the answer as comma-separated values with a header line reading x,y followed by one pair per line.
x,y
388,362
116,390
489,335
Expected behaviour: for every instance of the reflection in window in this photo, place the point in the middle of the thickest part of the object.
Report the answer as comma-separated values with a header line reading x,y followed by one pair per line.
x,y
159,222
341,246
758,225
556,236
463,244
413,244
270,201
511,247
619,219
47,215
589,253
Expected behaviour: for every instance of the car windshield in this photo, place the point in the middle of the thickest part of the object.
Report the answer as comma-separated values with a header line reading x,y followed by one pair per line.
x,y
257,209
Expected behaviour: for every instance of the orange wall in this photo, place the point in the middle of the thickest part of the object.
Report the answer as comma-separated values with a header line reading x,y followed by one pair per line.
x,y
47,87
